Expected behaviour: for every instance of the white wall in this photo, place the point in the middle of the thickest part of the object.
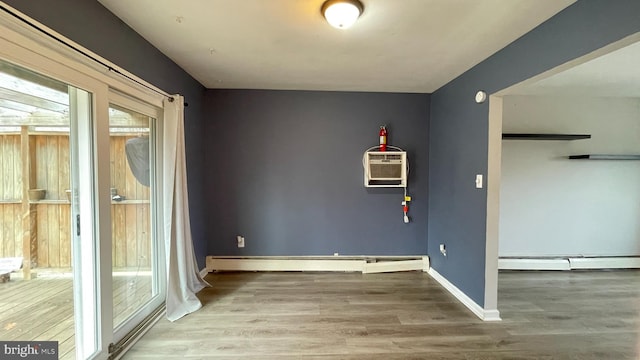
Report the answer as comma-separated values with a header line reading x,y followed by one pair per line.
x,y
553,206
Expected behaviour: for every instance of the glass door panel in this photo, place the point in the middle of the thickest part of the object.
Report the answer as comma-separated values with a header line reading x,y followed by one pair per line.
x,y
45,132
133,211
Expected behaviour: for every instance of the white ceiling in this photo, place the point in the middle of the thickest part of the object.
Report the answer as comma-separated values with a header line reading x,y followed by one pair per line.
x,y
396,46
616,74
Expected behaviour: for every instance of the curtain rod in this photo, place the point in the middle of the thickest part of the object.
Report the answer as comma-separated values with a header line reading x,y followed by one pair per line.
x,y
82,52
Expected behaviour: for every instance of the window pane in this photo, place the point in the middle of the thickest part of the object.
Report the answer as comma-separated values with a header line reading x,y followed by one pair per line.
x,y
131,145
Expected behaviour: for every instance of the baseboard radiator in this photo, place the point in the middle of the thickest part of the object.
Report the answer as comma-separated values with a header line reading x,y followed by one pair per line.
x,y
363,264
569,263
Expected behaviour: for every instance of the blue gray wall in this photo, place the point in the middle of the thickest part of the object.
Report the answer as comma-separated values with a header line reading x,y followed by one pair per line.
x,y
91,25
284,169
459,128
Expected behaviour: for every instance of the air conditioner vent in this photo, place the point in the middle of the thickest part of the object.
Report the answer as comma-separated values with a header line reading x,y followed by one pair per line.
x,y
385,169
385,157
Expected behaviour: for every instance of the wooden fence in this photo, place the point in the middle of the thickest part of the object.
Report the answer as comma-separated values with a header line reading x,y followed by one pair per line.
x,y
49,170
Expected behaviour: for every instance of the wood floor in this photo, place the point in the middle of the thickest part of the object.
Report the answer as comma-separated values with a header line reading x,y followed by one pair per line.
x,y
38,309
42,308
546,315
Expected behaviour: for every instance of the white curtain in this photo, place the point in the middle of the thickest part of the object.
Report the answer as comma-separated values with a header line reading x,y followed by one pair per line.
x,y
183,276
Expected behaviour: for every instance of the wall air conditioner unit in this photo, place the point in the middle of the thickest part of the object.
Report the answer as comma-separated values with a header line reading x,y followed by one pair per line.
x,y
385,169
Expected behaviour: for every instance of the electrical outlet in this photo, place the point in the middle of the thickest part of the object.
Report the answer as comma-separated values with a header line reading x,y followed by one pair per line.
x,y
443,250
240,241
479,181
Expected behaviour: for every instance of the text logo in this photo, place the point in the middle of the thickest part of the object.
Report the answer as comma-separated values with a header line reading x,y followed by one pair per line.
x,y
29,350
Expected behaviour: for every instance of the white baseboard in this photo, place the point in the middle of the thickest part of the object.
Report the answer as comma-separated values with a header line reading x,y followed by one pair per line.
x,y
534,264
284,265
492,315
569,263
426,265
364,264
392,266
605,263
485,315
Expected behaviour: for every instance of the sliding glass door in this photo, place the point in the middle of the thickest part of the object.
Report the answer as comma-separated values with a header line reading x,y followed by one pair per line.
x,y
78,204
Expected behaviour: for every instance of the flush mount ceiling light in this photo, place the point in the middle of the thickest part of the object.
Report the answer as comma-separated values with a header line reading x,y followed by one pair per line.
x,y
342,14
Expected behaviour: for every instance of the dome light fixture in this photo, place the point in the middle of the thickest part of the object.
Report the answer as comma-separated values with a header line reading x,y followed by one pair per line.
x,y
342,14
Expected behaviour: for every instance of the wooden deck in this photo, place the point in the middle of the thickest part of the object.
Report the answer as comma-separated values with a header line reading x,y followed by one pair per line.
x,y
38,309
42,308
546,315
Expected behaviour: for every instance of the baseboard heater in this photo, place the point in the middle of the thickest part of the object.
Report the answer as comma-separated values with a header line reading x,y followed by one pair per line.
x,y
363,264
569,263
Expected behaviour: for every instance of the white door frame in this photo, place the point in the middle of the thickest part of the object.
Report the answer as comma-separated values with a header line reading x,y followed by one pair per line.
x,y
494,163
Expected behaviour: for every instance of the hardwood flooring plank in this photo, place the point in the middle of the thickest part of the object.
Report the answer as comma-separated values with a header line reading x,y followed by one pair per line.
x,y
584,315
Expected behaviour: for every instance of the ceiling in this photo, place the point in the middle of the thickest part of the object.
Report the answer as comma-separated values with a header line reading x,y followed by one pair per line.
x,y
615,74
396,46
